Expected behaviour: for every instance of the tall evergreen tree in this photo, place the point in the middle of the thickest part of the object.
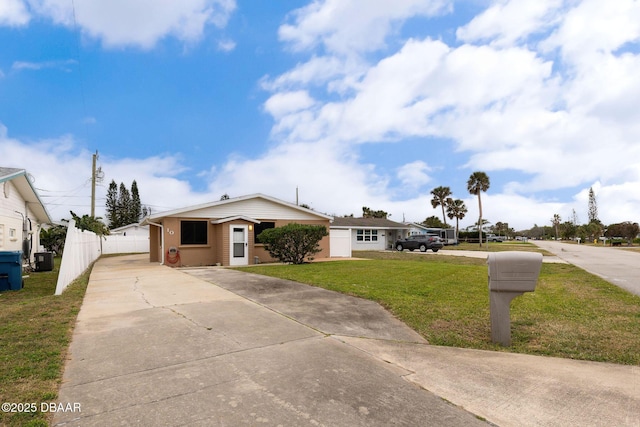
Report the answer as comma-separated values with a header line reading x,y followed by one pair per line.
x,y
593,207
112,204
136,206
124,206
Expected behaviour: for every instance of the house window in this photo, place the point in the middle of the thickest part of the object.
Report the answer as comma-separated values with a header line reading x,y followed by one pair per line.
x,y
259,228
193,232
367,235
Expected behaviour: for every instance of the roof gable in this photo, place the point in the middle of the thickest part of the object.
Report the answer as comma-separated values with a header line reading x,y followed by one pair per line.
x,y
257,206
22,182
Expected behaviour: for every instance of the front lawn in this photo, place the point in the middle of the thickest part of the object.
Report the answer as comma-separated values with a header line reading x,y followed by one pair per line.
x,y
35,332
572,313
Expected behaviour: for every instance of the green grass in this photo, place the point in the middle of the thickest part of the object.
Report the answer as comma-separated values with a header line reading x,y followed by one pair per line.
x,y
511,245
35,332
572,314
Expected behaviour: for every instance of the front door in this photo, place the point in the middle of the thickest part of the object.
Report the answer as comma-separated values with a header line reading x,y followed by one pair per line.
x,y
239,253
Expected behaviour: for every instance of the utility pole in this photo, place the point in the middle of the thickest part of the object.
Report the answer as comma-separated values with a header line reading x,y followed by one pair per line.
x,y
93,185
96,176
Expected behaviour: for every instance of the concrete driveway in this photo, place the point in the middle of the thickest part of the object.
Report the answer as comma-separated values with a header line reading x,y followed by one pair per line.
x,y
615,265
165,347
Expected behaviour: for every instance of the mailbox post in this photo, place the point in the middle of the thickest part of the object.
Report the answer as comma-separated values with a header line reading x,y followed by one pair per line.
x,y
511,274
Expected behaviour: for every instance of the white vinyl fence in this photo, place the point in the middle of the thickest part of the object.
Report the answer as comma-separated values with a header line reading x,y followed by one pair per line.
x,y
81,248
121,244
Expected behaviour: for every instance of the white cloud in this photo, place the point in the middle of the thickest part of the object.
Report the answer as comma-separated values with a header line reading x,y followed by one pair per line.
x,y
509,21
510,104
140,23
414,174
63,65
590,28
226,45
330,179
284,103
158,177
13,13
345,27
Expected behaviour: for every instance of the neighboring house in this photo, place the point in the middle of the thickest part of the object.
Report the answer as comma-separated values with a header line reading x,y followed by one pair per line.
x,y
22,213
224,232
364,234
446,234
131,230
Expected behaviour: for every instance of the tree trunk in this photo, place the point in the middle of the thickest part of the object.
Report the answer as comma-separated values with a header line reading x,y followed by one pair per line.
x,y
480,219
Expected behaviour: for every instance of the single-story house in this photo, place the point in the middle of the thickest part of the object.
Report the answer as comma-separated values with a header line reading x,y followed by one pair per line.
x,y
224,232
448,235
131,230
364,234
22,213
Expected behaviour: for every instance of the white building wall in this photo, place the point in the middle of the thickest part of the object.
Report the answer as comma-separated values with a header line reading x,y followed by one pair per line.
x,y
12,217
379,245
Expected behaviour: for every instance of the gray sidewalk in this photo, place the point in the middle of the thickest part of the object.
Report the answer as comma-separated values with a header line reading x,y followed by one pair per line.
x,y
158,346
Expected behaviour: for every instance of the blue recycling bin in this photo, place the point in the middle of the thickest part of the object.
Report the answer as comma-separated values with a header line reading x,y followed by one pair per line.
x,y
10,271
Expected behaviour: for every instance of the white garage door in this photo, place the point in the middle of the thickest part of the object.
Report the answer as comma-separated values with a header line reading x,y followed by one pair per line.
x,y
340,241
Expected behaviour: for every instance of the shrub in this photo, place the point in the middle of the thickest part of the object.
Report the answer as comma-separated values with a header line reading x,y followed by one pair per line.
x,y
293,242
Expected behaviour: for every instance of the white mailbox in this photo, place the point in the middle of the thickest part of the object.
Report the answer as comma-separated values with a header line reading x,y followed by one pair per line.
x,y
510,275
514,271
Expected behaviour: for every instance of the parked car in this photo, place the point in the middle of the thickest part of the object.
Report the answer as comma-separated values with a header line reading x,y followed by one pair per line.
x,y
494,238
422,242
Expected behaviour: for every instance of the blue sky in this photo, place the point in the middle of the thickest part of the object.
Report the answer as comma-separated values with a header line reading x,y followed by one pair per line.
x,y
354,102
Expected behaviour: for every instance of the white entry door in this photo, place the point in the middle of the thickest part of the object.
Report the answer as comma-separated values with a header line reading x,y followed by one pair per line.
x,y
239,254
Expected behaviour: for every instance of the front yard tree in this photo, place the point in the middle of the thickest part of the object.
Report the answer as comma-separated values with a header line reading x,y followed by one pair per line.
x,y
90,223
53,238
112,204
556,222
593,207
433,222
456,209
627,230
441,198
369,213
477,183
293,243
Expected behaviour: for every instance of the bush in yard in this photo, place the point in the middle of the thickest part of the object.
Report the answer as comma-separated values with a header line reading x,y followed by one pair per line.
x,y
293,242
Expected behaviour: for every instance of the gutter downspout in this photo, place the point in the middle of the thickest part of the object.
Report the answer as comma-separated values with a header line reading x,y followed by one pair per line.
x,y
161,239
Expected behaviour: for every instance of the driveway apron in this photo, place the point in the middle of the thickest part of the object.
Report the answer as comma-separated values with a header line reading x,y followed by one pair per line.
x,y
217,347
155,346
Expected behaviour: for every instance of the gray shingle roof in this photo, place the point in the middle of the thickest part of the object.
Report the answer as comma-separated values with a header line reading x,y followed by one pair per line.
x,y
349,222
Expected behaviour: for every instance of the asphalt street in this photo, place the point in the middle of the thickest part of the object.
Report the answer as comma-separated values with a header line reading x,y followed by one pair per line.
x,y
616,265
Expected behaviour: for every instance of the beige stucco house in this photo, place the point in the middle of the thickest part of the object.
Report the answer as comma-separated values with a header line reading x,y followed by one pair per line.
x,y
224,232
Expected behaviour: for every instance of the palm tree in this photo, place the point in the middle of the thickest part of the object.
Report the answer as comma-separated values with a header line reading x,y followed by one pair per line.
x,y
477,183
441,198
556,221
456,209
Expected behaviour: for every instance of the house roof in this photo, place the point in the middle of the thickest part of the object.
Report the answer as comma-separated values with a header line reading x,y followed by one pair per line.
x,y
127,227
221,208
424,227
350,222
22,181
